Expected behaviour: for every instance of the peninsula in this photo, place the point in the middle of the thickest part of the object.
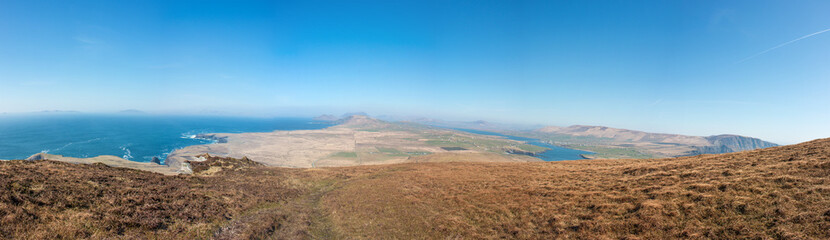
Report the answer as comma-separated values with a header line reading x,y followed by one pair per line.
x,y
357,140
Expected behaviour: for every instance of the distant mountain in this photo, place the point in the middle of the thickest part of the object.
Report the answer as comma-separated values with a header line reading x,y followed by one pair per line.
x,y
475,125
345,115
59,111
359,120
325,118
694,145
356,119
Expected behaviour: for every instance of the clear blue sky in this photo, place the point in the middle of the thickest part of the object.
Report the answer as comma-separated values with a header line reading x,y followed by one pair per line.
x,y
690,67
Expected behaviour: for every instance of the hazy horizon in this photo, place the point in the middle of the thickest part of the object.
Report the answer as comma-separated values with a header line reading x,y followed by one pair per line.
x,y
513,125
753,68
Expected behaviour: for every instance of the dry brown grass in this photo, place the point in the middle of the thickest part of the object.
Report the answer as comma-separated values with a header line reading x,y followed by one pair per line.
x,y
54,200
781,193
471,157
776,193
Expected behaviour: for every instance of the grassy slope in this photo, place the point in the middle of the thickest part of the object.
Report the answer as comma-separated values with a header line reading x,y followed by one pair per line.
x,y
48,200
781,192
612,152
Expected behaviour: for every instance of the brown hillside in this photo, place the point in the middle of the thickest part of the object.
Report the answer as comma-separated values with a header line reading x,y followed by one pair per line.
x,y
774,193
625,134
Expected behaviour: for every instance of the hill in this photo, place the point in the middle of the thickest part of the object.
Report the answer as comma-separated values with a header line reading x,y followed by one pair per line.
x,y
476,125
623,143
773,193
734,143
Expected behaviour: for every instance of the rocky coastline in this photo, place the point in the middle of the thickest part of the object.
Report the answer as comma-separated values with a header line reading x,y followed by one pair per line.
x,y
108,160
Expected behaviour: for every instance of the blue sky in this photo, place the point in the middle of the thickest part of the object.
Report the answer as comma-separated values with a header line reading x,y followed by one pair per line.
x,y
689,67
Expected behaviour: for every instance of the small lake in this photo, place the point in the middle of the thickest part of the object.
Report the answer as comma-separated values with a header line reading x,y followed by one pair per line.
x,y
556,153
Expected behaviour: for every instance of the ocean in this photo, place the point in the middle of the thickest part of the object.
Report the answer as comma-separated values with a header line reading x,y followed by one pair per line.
x,y
133,137
556,153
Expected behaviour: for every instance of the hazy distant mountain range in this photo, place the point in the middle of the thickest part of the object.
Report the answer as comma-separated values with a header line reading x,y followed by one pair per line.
x,y
477,125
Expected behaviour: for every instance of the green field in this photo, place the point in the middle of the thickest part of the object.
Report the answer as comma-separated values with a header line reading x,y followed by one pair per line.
x,y
345,155
613,152
392,152
532,148
440,137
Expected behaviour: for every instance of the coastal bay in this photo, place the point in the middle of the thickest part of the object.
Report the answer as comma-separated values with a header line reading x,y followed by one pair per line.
x,y
138,138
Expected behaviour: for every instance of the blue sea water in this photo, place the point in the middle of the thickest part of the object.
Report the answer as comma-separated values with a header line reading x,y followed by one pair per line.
x,y
556,153
133,137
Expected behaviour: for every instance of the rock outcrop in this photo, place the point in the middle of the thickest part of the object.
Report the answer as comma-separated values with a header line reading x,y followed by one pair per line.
x,y
213,137
37,156
156,160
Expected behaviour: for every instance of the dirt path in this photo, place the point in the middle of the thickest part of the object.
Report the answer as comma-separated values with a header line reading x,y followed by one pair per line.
x,y
298,218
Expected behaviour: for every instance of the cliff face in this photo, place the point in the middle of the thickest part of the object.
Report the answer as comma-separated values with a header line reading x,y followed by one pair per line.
x,y
730,143
737,143
708,150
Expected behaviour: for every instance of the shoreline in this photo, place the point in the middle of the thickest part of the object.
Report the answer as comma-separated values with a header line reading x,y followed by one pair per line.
x,y
354,141
132,137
